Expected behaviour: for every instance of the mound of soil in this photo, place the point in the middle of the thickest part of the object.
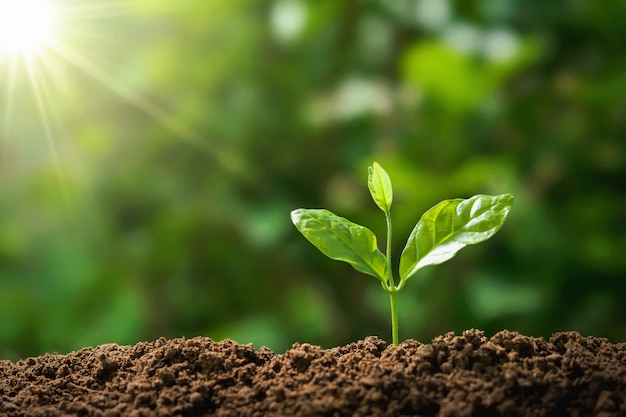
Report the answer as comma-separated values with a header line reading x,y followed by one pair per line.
x,y
468,375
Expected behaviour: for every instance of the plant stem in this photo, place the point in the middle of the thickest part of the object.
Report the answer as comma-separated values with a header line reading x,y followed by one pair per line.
x,y
394,317
392,283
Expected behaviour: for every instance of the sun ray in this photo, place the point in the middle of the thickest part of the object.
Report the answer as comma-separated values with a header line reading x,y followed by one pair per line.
x,y
179,129
39,93
9,82
65,38
26,28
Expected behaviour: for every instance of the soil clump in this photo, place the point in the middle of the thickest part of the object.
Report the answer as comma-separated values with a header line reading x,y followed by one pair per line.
x,y
468,375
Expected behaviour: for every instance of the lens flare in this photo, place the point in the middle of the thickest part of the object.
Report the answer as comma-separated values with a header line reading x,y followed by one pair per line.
x,y
26,26
53,55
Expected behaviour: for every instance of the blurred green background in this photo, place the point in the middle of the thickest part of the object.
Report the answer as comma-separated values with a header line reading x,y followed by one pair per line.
x,y
149,161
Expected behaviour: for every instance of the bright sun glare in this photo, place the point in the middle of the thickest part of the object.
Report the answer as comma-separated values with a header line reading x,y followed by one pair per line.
x,y
38,53
26,26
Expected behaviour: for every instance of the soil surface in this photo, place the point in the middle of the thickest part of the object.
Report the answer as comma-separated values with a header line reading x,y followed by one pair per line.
x,y
467,375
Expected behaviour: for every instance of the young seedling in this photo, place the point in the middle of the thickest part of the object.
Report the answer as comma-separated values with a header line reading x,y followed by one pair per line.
x,y
441,232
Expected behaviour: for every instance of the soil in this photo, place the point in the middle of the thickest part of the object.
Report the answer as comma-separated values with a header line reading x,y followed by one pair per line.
x,y
468,375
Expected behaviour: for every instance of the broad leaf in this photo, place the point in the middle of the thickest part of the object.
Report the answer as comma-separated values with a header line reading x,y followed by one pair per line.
x,y
449,227
341,240
379,183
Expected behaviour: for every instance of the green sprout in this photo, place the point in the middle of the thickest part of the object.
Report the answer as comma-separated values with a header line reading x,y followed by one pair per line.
x,y
441,232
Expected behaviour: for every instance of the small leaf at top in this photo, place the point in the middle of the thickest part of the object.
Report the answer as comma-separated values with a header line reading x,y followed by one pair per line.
x,y
449,227
341,240
379,183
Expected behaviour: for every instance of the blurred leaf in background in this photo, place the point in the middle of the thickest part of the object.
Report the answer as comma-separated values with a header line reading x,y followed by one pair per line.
x,y
150,154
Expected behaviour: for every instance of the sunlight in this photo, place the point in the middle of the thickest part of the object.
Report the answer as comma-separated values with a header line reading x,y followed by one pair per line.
x,y
26,26
50,47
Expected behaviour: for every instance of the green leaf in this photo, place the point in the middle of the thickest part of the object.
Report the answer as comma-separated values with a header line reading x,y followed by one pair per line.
x,y
449,227
341,240
379,183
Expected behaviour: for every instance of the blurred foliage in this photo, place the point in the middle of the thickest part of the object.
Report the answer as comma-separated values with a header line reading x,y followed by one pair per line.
x,y
148,168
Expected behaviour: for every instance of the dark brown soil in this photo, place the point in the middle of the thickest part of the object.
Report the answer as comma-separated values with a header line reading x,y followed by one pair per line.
x,y
468,375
